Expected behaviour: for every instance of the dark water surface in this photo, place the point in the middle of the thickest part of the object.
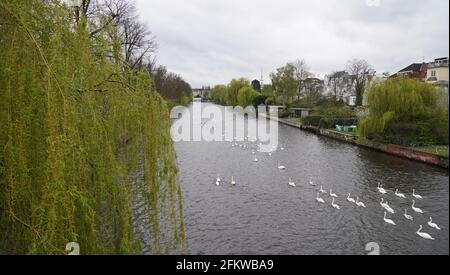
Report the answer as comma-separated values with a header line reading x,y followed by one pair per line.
x,y
262,214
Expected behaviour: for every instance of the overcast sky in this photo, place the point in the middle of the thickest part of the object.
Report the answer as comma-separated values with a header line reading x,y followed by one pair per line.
x,y
210,42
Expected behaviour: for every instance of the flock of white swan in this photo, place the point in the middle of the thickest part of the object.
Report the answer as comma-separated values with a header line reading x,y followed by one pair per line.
x,y
246,144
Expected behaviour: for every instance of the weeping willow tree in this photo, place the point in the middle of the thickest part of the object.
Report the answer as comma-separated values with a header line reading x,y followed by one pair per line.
x,y
407,112
85,148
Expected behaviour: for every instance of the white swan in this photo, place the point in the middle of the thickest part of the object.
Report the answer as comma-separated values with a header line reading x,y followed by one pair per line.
x,y
333,194
322,191
416,196
335,205
311,182
218,179
291,183
281,167
408,217
360,204
417,210
270,154
433,225
386,206
381,189
350,199
424,235
233,182
389,221
319,199
253,153
256,160
217,183
400,195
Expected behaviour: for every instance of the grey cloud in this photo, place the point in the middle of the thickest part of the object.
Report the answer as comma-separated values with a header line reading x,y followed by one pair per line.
x,y
211,41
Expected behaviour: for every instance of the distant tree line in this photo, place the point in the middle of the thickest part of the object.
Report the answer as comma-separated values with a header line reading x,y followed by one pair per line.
x,y
137,46
170,85
239,92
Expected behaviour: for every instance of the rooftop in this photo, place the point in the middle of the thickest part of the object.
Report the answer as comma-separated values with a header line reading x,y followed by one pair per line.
x,y
415,67
439,62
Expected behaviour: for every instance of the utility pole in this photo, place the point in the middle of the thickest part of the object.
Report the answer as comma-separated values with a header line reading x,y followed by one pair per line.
x,y
262,79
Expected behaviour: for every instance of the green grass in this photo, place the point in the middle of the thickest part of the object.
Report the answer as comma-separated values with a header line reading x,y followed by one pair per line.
x,y
436,150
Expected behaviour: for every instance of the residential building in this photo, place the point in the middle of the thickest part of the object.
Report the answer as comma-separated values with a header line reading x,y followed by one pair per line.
x,y
415,70
438,70
310,87
203,92
341,86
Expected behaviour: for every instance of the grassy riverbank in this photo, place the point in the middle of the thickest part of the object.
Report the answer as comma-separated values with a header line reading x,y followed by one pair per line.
x,y
434,155
442,151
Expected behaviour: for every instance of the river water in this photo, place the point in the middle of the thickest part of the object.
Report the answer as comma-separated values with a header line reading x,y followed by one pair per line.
x,y
262,214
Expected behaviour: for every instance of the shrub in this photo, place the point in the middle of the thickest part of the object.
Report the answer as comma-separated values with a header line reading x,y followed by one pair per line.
x,y
312,120
407,112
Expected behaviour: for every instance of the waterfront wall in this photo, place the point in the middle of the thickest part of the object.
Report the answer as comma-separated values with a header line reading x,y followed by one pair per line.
x,y
395,150
407,153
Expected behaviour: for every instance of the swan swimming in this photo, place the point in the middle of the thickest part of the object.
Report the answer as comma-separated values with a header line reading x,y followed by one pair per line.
x,y
416,196
417,210
350,199
256,160
281,167
319,199
360,204
335,205
233,182
322,191
291,183
389,221
408,217
433,225
381,189
333,194
311,182
424,235
400,195
386,206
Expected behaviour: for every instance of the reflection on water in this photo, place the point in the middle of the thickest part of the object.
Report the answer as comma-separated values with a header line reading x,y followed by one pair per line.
x,y
263,215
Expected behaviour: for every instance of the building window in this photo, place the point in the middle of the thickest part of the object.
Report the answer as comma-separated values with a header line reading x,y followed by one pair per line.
x,y
433,73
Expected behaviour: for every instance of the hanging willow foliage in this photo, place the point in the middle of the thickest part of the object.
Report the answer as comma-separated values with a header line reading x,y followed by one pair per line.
x,y
405,111
85,148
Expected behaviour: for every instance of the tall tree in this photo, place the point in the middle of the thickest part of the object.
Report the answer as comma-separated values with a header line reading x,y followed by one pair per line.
x,y
360,70
84,140
256,85
285,83
246,96
337,83
406,111
219,93
233,90
169,85
301,74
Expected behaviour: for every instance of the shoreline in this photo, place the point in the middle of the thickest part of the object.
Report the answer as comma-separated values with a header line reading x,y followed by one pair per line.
x,y
391,149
